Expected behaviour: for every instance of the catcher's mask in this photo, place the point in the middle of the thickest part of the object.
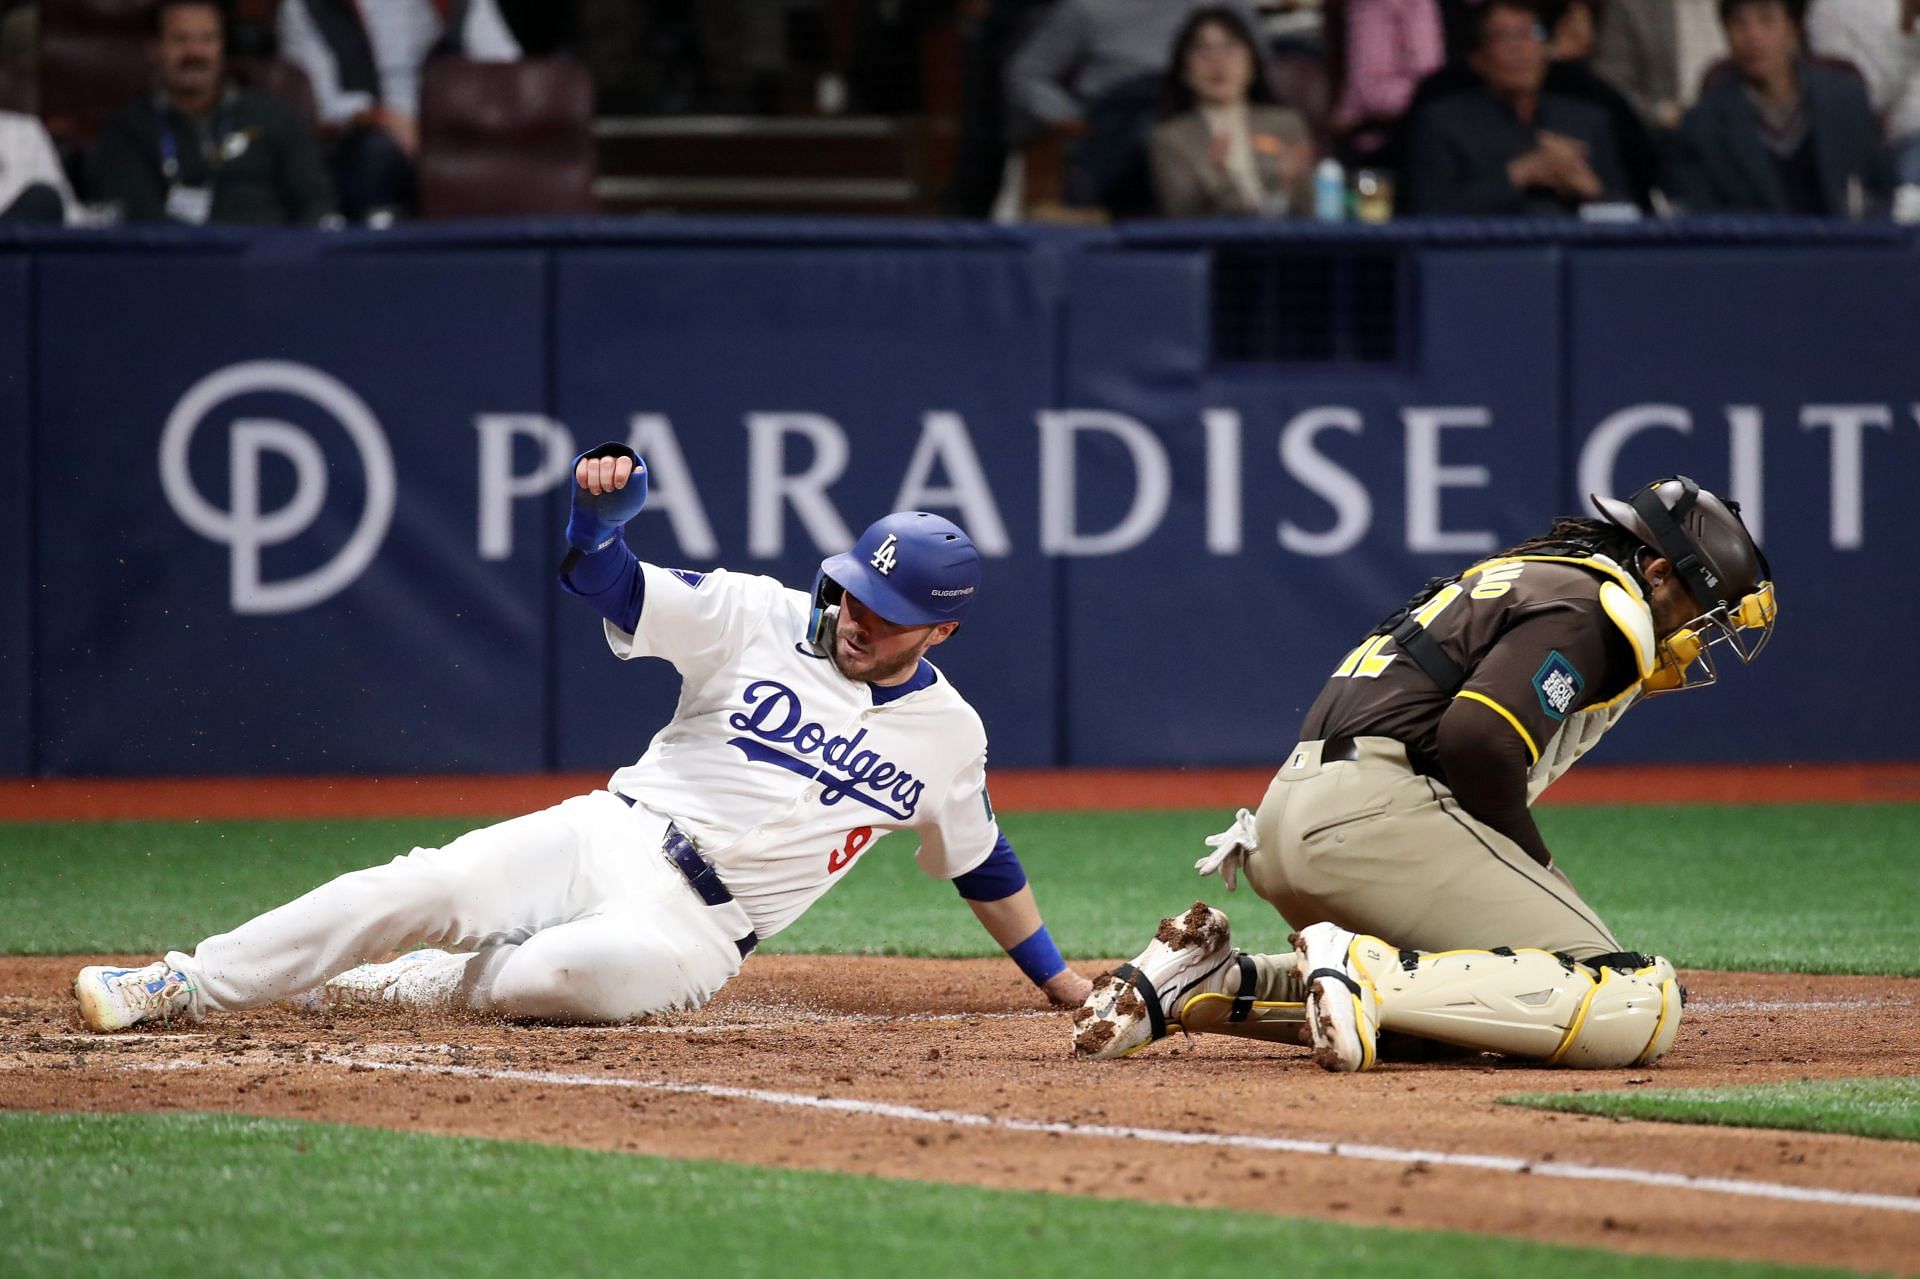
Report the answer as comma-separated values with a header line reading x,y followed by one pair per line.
x,y
912,568
1716,559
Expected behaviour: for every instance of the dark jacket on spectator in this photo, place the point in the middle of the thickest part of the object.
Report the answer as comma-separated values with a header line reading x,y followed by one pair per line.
x,y
1723,165
264,165
1574,78
1460,145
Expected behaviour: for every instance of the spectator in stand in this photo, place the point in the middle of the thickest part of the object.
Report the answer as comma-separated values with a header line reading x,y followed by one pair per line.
x,y
1509,145
1092,68
1384,49
365,62
1570,38
989,32
1657,51
1226,148
33,186
1882,39
1779,134
1570,43
199,149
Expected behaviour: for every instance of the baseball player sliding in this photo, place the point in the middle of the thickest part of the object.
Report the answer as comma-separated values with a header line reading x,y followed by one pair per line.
x,y
808,727
1397,836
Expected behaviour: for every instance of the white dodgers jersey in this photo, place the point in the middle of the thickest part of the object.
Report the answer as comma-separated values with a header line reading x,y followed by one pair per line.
x,y
782,770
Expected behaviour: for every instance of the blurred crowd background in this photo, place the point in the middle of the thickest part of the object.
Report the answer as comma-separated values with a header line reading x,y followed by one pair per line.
x,y
376,111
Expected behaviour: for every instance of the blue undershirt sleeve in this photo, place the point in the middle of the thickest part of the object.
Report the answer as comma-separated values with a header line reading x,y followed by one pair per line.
x,y
1001,875
610,579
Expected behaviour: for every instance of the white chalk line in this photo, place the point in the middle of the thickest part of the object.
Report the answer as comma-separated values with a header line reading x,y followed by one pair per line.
x,y
799,1018
138,1038
1791,1005
1160,1136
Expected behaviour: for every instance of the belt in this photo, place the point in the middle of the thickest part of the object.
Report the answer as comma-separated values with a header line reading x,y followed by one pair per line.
x,y
1347,750
1339,748
700,875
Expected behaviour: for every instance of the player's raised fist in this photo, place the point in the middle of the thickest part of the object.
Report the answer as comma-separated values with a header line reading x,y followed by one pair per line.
x,y
603,474
610,488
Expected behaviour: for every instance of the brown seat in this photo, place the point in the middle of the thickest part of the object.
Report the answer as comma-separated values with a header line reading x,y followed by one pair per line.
x,y
18,91
506,139
1302,81
277,78
93,59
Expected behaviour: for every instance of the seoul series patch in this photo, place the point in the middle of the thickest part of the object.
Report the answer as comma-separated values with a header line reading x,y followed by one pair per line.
x,y
688,576
1558,685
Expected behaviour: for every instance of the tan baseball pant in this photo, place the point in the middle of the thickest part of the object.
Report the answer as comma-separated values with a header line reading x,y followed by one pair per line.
x,y
1377,848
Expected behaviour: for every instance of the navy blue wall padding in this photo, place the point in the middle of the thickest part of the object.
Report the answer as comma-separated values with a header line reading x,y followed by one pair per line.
x,y
1509,365
1776,347
432,658
1230,649
17,605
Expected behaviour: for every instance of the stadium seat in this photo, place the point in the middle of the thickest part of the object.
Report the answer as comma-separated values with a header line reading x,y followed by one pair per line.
x,y
93,58
18,91
1300,80
506,139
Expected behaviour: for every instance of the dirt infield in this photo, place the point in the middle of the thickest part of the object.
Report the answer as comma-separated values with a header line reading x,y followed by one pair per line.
x,y
946,1071
1014,790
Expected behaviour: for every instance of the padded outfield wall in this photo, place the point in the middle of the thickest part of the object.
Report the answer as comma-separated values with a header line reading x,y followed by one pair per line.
x,y
290,502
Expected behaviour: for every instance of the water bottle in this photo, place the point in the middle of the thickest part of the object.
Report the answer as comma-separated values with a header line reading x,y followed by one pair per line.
x,y
1330,191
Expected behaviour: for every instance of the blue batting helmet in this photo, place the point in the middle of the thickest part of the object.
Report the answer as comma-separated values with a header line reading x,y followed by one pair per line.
x,y
912,568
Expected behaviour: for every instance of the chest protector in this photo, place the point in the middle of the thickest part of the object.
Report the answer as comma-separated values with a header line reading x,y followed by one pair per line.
x,y
1625,605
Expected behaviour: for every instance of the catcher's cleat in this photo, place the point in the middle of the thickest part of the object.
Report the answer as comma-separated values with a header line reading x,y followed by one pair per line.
x,y
1343,1008
417,979
1139,1002
116,998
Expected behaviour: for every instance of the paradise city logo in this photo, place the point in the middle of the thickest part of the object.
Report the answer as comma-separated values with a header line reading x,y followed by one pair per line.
x,y
798,472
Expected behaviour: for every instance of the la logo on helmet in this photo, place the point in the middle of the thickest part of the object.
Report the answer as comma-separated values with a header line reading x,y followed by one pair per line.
x,y
885,556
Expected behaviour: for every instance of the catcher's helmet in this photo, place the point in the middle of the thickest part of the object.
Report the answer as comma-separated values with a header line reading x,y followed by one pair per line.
x,y
912,568
1718,562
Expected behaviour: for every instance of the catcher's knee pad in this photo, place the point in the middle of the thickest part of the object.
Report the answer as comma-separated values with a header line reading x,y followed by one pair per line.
x,y
1630,1017
1615,1010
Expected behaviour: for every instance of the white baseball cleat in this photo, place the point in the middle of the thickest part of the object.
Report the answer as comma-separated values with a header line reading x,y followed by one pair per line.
x,y
116,998
418,979
1343,1008
1137,1003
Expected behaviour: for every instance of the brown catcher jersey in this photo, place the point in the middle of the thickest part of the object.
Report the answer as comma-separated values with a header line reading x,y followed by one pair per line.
x,y
1538,639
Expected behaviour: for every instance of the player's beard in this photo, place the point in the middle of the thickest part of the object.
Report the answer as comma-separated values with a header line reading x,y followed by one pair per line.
x,y
871,672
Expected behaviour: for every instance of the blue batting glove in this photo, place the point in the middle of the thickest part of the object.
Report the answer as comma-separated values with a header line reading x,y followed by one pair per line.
x,y
598,517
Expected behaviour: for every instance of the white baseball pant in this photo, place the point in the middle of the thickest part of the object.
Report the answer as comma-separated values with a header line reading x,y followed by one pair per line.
x,y
573,914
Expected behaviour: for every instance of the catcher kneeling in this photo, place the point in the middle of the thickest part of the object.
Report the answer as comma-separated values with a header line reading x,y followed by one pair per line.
x,y
1397,836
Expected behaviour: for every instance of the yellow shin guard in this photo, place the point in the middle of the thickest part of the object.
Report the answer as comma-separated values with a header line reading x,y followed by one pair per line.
x,y
1616,1010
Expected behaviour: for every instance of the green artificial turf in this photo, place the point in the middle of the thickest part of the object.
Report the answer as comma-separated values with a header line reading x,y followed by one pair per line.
x,y
197,1195
1814,888
86,887
1858,1107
